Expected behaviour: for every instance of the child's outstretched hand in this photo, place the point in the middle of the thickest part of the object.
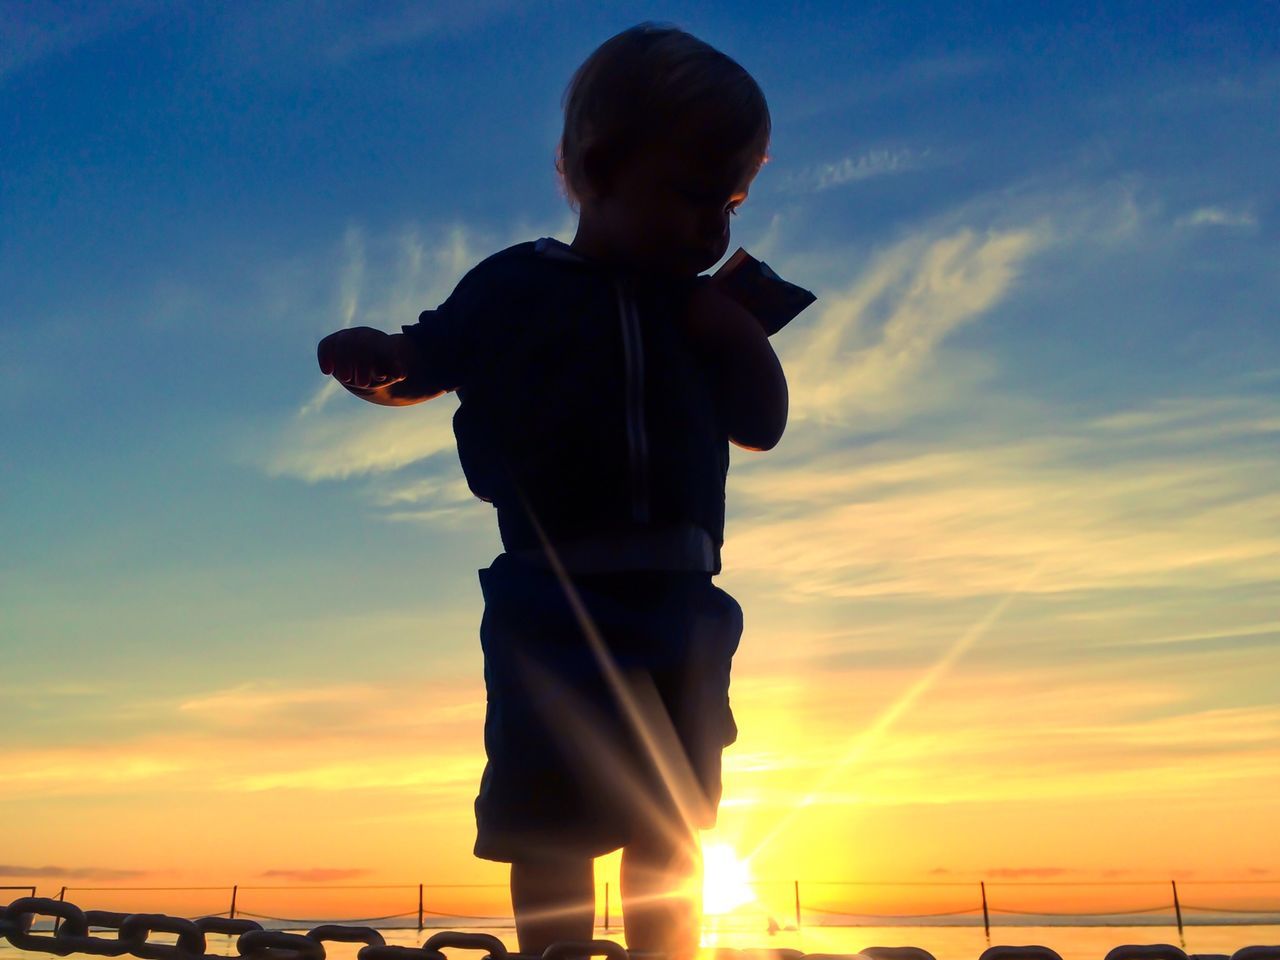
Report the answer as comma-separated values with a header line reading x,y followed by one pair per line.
x,y
363,357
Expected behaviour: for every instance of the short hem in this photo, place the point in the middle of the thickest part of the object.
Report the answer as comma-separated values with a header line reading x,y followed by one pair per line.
x,y
508,850
568,770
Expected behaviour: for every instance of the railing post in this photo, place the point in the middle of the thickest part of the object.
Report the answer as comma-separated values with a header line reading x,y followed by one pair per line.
x,y
606,906
986,917
57,921
235,889
419,908
797,886
1177,911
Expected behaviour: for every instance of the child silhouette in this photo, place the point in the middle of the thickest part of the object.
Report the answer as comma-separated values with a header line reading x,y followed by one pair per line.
x,y
600,383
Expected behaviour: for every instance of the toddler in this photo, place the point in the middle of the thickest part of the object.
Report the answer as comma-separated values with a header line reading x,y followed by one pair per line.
x,y
600,384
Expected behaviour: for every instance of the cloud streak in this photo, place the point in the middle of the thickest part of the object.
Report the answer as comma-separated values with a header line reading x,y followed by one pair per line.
x,y
873,337
30,33
1123,502
263,736
854,169
1077,737
1217,217
314,874
11,870
362,442
383,282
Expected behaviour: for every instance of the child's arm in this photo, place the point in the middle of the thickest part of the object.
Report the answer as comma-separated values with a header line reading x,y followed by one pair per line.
x,y
383,368
751,387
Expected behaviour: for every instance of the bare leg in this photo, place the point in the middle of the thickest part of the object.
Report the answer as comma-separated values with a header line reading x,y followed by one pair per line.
x,y
553,900
660,896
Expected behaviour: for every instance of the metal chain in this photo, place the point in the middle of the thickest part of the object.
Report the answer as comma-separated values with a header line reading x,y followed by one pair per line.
x,y
133,932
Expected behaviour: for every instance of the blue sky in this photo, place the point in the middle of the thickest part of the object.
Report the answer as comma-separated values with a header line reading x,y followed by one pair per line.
x,y
1044,365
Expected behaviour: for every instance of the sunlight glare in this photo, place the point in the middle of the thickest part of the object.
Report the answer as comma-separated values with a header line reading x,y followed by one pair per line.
x,y
726,880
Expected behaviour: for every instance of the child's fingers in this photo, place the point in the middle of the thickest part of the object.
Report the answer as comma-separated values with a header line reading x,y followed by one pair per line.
x,y
324,354
343,368
395,371
367,375
389,367
359,358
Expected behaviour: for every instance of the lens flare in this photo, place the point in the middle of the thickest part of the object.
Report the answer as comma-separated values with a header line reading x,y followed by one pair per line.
x,y
726,880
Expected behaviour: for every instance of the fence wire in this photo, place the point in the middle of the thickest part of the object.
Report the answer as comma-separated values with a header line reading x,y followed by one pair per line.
x,y
786,900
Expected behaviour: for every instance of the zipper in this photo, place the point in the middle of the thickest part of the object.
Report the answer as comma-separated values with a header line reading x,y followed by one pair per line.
x,y
637,440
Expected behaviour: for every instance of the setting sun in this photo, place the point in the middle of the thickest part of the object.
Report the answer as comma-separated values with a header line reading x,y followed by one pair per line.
x,y
726,880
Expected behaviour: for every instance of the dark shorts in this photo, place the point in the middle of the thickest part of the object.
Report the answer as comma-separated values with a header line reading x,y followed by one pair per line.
x,y
600,735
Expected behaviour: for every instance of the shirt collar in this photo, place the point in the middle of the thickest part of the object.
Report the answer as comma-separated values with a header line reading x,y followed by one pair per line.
x,y
558,250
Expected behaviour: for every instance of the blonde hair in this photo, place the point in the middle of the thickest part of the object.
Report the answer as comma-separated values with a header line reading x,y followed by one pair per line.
x,y
641,83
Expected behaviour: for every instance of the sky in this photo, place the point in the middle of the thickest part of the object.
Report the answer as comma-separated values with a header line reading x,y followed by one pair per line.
x,y
1009,579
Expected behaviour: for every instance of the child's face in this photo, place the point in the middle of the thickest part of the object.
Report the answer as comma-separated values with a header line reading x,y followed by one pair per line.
x,y
670,204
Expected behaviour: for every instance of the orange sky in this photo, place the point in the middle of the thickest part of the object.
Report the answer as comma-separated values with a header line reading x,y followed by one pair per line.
x,y
1003,775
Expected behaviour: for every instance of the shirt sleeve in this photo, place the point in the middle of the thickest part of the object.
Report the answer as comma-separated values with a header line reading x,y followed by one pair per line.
x,y
443,339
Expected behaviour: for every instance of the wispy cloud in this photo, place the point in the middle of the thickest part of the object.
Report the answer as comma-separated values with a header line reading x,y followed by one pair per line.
x,y
291,36
31,32
433,492
383,282
314,874
852,169
331,709
12,870
360,442
60,771
902,80
1186,420
1217,217
972,487
872,338
1022,873
260,704
445,500
262,736
1262,633
1114,504
1077,736
350,284
404,23
388,286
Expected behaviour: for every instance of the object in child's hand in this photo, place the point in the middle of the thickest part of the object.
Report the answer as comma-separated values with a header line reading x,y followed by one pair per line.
x,y
772,300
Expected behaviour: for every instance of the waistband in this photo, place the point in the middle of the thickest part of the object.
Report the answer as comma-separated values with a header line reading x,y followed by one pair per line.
x,y
684,547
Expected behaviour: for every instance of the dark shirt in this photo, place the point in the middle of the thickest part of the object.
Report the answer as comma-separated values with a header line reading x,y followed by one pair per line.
x,y
585,417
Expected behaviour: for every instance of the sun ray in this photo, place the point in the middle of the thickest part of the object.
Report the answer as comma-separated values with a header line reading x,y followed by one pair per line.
x,y
650,724
865,741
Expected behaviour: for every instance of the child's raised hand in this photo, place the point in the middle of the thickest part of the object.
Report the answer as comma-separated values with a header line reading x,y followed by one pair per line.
x,y
749,381
363,357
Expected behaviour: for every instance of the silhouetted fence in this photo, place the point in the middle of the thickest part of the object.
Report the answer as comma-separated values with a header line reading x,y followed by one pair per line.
x,y
789,904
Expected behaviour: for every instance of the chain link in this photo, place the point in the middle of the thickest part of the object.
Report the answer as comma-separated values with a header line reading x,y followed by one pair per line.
x,y
1030,952
278,945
